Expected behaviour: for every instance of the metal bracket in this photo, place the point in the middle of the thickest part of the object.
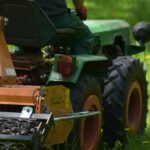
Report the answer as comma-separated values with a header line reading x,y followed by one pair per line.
x,y
30,132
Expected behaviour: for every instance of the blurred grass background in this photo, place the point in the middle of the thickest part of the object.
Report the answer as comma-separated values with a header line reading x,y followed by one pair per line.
x,y
132,11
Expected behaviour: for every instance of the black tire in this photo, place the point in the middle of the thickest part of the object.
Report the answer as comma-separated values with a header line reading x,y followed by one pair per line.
x,y
125,100
86,96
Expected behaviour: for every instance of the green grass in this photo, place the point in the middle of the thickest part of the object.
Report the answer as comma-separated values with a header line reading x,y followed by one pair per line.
x,y
131,10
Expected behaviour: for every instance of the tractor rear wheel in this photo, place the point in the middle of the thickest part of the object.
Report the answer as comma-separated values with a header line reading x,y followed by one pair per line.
x,y
125,100
86,96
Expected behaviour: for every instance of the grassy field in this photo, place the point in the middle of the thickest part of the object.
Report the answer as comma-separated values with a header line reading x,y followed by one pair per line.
x,y
130,10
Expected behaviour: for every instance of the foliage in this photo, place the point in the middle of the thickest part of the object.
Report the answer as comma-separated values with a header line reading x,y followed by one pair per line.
x,y
131,10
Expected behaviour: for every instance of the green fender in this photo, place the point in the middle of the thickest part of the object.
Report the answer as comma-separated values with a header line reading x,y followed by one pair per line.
x,y
84,64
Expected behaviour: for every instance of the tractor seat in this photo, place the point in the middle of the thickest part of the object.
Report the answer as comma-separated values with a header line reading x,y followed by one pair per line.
x,y
27,25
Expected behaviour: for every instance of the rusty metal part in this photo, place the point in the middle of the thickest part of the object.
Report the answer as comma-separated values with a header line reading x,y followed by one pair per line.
x,y
19,95
38,104
7,71
48,99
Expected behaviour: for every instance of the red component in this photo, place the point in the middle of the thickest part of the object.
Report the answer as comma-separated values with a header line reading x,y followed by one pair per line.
x,y
22,79
30,69
82,12
65,65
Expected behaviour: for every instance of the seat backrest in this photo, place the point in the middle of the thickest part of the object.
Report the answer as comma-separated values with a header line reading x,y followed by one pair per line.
x,y
27,24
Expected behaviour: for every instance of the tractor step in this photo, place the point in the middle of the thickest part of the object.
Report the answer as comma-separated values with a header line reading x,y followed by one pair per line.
x,y
18,133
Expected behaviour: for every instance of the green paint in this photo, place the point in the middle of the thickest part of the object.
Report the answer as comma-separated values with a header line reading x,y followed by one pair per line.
x,y
109,29
81,61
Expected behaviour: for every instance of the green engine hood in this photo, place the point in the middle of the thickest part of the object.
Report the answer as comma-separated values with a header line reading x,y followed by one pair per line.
x,y
109,29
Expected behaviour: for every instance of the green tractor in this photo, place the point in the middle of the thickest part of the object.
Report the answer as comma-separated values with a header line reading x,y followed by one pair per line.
x,y
62,100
